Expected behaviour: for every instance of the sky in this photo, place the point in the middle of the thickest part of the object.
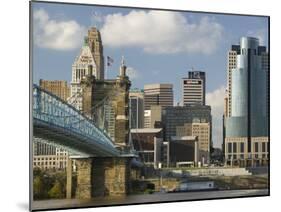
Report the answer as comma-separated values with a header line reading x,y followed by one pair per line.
x,y
158,46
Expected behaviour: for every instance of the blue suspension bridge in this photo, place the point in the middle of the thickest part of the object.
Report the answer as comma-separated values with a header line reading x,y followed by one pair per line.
x,y
59,123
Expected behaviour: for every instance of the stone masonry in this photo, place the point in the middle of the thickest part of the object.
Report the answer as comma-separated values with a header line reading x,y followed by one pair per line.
x,y
84,178
97,177
95,91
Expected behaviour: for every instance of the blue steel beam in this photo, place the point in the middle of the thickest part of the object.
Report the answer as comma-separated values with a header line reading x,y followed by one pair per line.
x,y
56,119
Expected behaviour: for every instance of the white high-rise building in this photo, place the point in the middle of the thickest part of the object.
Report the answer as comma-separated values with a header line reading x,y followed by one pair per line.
x,y
193,88
231,65
83,65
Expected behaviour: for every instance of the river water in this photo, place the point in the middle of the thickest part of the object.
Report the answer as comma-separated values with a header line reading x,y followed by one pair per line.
x,y
146,198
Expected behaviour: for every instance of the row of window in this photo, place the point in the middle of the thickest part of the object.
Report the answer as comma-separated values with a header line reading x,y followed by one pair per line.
x,y
242,156
48,158
233,147
47,163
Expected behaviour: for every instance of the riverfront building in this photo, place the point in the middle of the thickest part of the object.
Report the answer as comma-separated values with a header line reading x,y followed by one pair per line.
x,y
202,132
148,142
190,120
46,156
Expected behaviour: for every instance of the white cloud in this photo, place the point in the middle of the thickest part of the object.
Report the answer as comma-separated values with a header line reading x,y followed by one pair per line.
x,y
261,34
54,34
132,73
161,32
216,100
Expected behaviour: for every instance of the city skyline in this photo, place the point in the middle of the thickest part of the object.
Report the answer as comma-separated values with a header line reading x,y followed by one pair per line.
x,y
162,63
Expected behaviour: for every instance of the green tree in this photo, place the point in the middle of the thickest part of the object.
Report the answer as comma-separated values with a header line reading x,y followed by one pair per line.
x,y
56,191
38,189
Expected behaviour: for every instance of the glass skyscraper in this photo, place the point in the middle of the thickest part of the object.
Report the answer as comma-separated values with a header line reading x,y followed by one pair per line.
x,y
248,121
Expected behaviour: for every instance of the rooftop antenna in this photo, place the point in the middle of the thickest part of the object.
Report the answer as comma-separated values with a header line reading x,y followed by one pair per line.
x,y
96,19
122,61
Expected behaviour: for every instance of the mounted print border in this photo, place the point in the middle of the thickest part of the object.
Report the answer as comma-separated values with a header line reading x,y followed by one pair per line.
x,y
143,105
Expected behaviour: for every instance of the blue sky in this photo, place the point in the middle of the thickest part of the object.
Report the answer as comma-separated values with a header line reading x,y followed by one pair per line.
x,y
157,46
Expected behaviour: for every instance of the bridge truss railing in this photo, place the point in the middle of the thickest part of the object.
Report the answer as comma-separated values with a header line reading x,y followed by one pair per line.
x,y
53,110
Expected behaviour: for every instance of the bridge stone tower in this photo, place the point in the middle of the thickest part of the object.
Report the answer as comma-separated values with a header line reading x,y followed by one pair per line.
x,y
106,101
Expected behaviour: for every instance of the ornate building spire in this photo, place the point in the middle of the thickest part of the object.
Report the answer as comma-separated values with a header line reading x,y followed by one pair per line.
x,y
122,68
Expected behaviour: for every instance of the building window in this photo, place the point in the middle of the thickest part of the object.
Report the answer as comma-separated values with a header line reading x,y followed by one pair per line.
x,y
242,156
234,147
256,147
241,147
263,146
229,147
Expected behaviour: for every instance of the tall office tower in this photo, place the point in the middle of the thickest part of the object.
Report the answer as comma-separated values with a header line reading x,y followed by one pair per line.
x,y
136,109
83,65
246,127
265,66
96,47
57,87
231,64
158,94
194,88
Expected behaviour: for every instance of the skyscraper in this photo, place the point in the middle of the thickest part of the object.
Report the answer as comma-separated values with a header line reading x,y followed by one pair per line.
x,y
136,104
83,65
96,47
194,88
158,94
246,126
231,64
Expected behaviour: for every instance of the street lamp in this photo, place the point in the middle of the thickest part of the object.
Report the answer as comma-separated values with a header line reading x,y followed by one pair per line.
x,y
160,167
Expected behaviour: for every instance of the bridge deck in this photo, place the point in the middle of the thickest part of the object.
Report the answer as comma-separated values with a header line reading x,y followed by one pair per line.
x,y
60,123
